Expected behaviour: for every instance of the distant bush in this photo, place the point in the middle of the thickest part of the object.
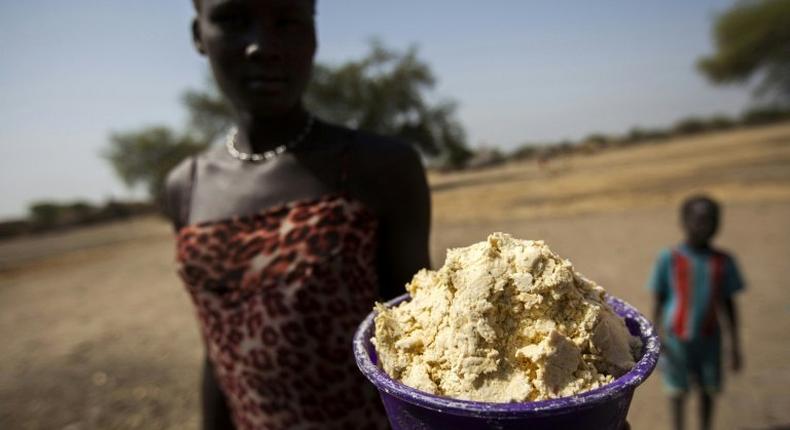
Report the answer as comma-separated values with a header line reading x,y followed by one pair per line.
x,y
689,126
485,157
45,214
596,139
15,227
721,122
637,135
118,210
594,143
764,115
48,215
695,125
525,151
684,127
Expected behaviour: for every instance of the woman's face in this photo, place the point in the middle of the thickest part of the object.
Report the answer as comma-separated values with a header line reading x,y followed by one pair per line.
x,y
260,51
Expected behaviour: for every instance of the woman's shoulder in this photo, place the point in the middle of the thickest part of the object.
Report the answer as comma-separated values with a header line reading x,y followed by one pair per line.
x,y
177,189
374,151
179,180
384,169
173,191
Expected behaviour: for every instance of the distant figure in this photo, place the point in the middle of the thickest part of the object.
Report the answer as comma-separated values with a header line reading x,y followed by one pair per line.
x,y
691,283
288,232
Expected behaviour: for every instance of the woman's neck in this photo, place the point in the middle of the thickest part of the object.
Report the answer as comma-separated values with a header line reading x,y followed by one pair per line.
x,y
263,133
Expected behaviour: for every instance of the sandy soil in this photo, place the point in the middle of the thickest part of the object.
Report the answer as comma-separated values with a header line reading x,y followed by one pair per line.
x,y
98,333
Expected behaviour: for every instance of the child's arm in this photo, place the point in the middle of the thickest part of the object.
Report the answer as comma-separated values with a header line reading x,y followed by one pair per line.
x,y
733,283
658,284
658,312
731,316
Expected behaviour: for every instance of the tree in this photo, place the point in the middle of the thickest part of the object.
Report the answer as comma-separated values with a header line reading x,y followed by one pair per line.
x,y
145,157
210,116
752,40
384,92
44,214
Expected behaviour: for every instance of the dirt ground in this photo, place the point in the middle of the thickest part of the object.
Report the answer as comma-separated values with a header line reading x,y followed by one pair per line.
x,y
98,333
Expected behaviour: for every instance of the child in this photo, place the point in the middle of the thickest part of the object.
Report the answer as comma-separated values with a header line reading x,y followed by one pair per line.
x,y
692,283
288,232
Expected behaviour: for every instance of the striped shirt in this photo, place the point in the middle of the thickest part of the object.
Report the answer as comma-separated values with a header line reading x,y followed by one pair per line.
x,y
693,282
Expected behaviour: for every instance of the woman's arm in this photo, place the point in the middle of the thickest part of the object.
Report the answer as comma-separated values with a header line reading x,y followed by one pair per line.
x,y
405,225
215,412
216,415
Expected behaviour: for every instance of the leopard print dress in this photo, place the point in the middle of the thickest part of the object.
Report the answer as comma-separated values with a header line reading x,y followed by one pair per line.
x,y
279,295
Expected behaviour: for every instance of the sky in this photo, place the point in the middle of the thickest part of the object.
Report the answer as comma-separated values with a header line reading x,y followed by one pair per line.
x,y
71,73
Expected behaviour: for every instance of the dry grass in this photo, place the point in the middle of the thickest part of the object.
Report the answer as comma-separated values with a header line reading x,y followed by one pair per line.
x,y
742,166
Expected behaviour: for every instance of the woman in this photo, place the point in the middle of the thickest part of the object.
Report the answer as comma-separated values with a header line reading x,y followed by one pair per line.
x,y
289,232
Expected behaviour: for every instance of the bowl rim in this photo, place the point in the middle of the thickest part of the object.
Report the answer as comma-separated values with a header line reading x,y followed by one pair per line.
x,y
624,385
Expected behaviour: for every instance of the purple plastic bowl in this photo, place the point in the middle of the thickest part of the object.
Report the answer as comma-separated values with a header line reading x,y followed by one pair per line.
x,y
602,408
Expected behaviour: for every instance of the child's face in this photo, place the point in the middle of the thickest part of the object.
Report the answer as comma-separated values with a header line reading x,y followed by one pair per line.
x,y
260,51
700,224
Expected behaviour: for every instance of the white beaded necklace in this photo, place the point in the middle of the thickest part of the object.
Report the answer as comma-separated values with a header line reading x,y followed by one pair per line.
x,y
233,135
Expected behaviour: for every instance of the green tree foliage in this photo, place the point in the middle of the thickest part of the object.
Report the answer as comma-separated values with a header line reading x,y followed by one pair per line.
x,y
764,115
210,116
49,214
752,40
44,214
145,157
690,125
385,92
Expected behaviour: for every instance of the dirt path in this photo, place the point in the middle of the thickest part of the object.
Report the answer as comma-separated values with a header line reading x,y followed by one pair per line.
x,y
105,337
99,338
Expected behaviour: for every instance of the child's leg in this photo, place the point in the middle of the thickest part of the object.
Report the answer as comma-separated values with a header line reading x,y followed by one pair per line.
x,y
678,405
674,368
705,409
710,378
